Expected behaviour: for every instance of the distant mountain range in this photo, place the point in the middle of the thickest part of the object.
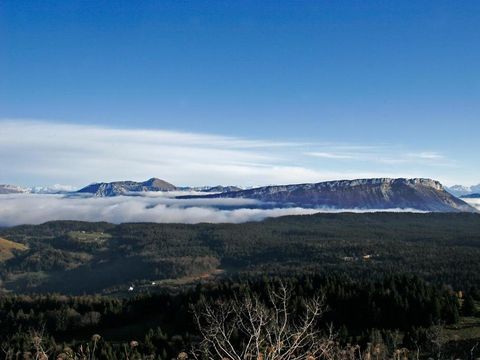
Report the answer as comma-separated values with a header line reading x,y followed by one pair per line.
x,y
461,190
382,193
55,189
211,189
115,188
12,189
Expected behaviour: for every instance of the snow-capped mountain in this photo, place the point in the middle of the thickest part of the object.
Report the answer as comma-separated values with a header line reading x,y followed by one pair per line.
x,y
213,189
54,189
114,188
153,184
382,193
13,189
461,190
125,187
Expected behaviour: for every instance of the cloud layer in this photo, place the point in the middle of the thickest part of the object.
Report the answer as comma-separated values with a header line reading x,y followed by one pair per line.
x,y
44,153
474,202
16,209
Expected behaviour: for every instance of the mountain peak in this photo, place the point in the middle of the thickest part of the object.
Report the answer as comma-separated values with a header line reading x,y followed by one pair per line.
x,y
125,187
158,183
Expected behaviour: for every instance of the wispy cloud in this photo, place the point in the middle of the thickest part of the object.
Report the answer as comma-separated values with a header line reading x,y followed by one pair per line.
x,y
327,155
474,202
44,153
379,154
426,155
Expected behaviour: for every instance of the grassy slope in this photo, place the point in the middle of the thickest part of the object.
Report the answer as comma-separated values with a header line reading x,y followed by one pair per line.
x,y
8,247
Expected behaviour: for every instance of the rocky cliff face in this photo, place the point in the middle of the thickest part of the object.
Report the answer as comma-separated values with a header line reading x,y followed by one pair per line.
x,y
381,193
125,187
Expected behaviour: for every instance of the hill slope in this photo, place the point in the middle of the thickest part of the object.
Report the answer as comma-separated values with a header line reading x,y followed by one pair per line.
x,y
78,257
382,193
7,248
124,187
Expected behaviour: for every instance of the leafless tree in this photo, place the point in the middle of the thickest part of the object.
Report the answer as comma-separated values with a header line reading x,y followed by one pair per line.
x,y
248,328
8,354
438,339
38,341
473,349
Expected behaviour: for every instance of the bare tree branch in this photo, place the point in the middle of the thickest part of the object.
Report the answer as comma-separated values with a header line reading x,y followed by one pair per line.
x,y
248,328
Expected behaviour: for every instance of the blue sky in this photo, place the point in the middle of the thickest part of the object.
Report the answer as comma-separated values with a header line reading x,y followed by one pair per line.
x,y
327,88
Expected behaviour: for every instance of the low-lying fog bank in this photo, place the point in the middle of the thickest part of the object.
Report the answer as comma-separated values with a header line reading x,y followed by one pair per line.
x,y
18,209
473,202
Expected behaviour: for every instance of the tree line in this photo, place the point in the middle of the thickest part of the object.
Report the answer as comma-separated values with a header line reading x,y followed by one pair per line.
x,y
395,312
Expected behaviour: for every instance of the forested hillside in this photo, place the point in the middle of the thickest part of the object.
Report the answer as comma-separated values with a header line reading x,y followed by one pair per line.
x,y
80,257
399,312
393,284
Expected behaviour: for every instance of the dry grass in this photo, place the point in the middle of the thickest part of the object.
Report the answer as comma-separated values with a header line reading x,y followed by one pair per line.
x,y
8,247
468,328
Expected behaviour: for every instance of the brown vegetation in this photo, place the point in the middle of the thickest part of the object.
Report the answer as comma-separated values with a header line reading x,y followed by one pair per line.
x,y
8,248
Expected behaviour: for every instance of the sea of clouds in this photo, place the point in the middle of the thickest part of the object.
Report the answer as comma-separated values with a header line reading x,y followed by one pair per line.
x,y
16,209
473,202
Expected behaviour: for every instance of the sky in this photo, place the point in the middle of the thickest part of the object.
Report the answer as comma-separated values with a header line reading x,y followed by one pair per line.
x,y
238,92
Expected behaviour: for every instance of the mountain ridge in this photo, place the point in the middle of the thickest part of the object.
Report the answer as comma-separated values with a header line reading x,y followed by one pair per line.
x,y
54,189
462,190
115,188
363,194
377,193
